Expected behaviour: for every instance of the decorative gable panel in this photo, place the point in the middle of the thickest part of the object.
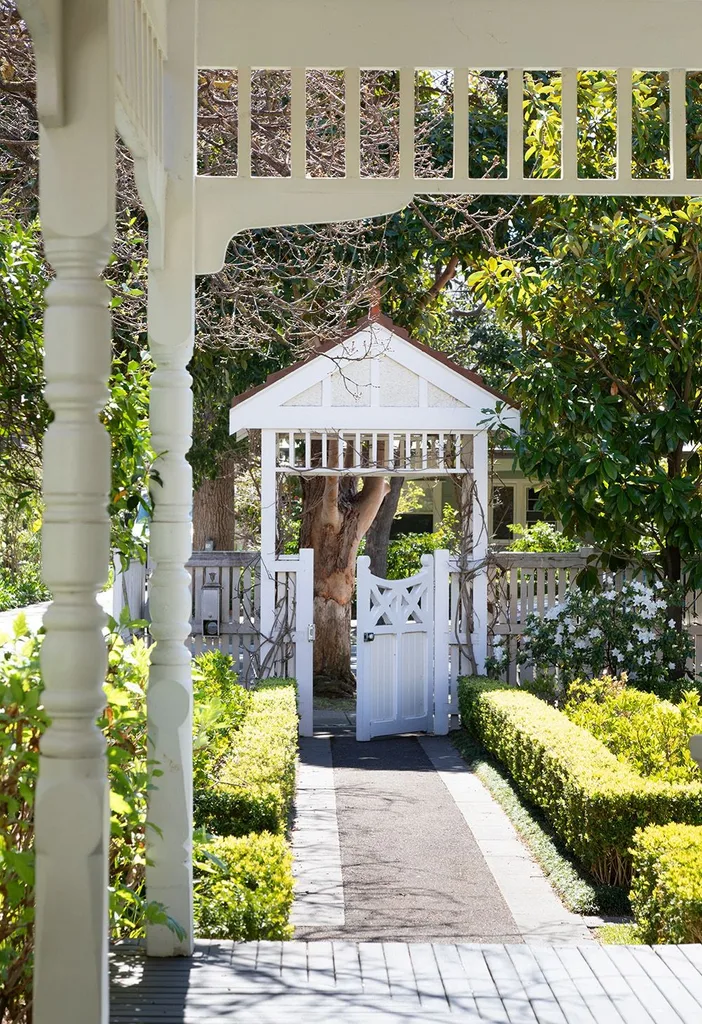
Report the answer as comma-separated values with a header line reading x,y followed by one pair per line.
x,y
310,397
398,385
439,399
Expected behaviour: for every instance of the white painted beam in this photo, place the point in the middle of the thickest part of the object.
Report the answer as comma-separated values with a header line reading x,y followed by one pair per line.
x,y
543,34
373,418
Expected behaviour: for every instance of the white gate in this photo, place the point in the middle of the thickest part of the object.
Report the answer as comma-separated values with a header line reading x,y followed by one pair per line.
x,y
395,670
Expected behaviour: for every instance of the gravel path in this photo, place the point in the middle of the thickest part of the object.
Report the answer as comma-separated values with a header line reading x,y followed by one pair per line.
x,y
411,867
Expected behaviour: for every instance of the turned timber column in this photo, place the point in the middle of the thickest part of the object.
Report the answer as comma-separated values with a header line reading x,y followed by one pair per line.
x,y
171,312
72,806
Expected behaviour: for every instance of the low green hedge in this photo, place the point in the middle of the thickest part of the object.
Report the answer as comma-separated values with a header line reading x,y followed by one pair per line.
x,y
666,889
244,889
256,784
594,801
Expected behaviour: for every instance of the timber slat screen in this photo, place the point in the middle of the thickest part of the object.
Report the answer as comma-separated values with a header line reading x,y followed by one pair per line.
x,y
392,146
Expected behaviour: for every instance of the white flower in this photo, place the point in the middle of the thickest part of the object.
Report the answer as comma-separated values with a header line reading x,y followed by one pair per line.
x,y
594,634
671,625
671,664
616,654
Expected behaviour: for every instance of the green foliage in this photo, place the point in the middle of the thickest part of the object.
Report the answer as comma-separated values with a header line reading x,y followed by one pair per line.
x,y
254,789
666,889
578,891
593,801
611,321
244,888
17,590
22,721
607,632
542,536
650,734
220,705
405,552
23,412
126,417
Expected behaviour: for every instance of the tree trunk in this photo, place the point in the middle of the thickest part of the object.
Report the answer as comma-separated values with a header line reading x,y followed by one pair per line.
x,y
378,536
213,511
335,517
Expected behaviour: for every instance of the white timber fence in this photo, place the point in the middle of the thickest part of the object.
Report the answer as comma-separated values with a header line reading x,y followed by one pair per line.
x,y
226,591
225,614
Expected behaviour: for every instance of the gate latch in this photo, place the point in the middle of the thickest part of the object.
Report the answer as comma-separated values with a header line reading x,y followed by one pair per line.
x,y
368,637
312,633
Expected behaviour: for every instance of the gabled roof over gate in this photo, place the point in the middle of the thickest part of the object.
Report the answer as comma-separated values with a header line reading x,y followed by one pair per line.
x,y
374,378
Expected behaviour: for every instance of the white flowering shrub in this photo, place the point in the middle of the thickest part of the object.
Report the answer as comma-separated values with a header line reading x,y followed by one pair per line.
x,y
593,633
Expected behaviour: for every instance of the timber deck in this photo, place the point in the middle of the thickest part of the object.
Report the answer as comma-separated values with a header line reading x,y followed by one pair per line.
x,y
387,982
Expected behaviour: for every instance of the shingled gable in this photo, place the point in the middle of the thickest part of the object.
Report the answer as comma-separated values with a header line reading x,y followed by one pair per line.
x,y
383,370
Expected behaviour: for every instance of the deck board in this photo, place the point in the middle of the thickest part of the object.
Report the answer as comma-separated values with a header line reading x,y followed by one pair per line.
x,y
384,983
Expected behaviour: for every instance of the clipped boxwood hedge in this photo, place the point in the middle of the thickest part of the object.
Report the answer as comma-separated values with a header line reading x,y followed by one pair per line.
x,y
666,888
256,784
245,889
594,801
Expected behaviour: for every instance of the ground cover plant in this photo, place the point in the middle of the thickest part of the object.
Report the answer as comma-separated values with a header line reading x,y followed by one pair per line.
x,y
578,891
593,801
650,734
596,632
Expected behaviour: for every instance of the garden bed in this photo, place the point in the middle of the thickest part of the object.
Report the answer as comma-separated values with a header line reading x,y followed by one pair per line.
x,y
242,803
594,802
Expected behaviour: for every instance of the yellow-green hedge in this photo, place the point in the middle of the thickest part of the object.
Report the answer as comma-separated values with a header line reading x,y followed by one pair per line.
x,y
245,890
594,801
256,785
666,888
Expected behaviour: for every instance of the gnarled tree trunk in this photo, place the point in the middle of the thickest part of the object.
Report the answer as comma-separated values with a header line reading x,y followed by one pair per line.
x,y
335,517
378,536
213,511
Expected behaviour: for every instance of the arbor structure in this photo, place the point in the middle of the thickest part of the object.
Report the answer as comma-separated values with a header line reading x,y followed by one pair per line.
x,y
369,407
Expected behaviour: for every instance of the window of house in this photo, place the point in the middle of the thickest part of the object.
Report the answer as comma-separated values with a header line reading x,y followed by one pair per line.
x,y
502,512
535,514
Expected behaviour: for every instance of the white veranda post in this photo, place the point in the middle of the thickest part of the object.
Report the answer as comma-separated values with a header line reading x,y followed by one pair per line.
x,y
72,811
269,496
171,325
481,538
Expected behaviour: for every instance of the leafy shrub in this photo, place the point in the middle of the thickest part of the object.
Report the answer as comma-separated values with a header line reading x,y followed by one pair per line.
x,y
244,888
666,889
608,632
594,801
541,536
22,721
19,589
405,552
220,705
256,784
650,734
